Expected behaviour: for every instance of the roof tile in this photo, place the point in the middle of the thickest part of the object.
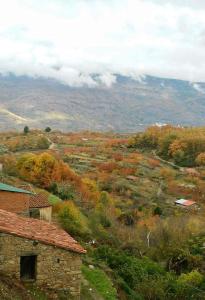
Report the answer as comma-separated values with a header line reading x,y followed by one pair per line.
x,y
37,230
38,201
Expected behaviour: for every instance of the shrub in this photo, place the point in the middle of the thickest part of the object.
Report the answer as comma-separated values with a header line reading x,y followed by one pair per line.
x,y
158,211
193,278
43,143
47,129
72,220
200,160
66,191
131,269
188,286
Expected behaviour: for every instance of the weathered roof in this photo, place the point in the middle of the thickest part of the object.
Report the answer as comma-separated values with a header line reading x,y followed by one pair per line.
x,y
38,201
10,188
37,230
185,202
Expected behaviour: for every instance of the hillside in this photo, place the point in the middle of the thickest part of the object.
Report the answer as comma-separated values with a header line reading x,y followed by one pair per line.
x,y
116,195
129,105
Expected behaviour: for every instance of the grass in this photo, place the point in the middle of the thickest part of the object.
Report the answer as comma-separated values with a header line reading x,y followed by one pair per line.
x,y
53,199
37,294
101,282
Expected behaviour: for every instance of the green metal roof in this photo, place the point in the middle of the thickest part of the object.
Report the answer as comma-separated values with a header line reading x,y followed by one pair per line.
x,y
9,188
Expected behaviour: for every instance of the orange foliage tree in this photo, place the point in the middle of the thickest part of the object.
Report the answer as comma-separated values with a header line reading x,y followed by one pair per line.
x,y
43,169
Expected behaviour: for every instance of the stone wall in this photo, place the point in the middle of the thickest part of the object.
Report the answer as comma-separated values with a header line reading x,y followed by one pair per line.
x,y
57,269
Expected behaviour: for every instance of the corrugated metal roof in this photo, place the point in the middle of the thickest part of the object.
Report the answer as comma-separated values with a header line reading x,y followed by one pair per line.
x,y
185,202
10,188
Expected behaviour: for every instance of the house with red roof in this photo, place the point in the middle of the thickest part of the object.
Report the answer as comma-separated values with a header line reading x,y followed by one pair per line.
x,y
25,202
37,251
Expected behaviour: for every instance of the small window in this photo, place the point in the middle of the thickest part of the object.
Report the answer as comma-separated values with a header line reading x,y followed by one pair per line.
x,y
34,213
58,260
28,267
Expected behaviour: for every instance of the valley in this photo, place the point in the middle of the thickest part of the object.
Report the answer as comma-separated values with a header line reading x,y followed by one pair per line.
x,y
115,194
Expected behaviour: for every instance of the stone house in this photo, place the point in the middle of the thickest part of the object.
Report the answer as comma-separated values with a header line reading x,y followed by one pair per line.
x,y
25,202
37,251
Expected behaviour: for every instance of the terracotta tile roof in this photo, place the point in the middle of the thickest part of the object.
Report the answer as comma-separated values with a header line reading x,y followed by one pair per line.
x,y
38,201
37,230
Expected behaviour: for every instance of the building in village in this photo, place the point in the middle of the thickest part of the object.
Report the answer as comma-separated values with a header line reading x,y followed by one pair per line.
x,y
37,251
185,203
39,207
25,202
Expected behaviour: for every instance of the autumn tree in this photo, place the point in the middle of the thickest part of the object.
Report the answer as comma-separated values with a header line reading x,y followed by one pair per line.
x,y
200,160
43,169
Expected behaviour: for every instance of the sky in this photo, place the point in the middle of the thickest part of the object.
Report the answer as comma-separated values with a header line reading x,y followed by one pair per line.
x,y
70,39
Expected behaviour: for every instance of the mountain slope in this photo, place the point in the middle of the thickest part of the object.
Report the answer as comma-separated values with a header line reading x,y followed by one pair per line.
x,y
128,105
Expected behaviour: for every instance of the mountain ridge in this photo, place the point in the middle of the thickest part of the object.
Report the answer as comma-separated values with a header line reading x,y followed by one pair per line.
x,y
128,105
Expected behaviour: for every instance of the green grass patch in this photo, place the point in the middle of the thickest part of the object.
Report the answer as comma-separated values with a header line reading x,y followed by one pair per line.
x,y
37,294
53,199
101,282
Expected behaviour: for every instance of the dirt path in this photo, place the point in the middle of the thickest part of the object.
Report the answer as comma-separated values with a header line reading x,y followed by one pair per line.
x,y
167,162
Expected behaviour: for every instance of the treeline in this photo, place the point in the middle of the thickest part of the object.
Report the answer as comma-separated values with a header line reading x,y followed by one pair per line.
x,y
184,146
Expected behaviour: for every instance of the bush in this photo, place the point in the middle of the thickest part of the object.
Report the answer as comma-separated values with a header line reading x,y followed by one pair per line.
x,y
200,160
158,211
43,143
66,192
188,286
131,269
72,220
47,129
193,278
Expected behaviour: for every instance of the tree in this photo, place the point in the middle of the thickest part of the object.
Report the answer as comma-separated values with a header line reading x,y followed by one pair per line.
x,y
26,129
44,169
47,129
72,220
43,143
200,160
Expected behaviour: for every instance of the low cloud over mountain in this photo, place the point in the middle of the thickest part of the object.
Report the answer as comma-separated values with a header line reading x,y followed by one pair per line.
x,y
69,40
127,105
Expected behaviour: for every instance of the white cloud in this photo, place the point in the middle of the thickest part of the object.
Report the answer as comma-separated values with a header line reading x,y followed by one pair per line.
x,y
68,39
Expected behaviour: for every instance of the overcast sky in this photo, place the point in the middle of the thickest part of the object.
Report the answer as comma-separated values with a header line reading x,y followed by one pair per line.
x,y
68,39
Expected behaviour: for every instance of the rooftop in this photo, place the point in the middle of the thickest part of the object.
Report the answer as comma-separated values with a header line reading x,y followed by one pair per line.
x,y
39,201
37,230
10,188
185,202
